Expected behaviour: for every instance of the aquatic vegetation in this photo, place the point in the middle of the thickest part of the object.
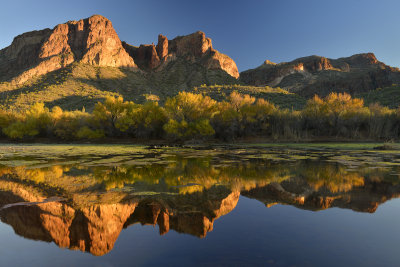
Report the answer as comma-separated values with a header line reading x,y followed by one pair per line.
x,y
81,168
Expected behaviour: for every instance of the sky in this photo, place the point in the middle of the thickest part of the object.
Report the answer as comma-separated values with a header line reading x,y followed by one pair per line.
x,y
248,31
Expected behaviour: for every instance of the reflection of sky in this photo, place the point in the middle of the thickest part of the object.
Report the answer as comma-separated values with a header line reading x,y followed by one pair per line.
x,y
248,31
251,234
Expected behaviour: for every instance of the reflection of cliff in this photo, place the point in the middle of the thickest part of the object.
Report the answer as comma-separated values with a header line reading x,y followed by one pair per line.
x,y
191,214
95,228
186,196
297,192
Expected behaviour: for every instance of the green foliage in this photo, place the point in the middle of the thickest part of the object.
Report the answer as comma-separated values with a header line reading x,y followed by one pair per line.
x,y
149,120
87,133
117,116
34,122
242,115
16,130
110,112
336,114
190,116
196,116
68,124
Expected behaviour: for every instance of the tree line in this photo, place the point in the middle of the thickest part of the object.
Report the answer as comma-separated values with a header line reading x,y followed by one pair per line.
x,y
189,116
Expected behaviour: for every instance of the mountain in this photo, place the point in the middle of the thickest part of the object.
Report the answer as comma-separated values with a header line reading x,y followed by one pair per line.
x,y
92,41
77,63
194,48
319,75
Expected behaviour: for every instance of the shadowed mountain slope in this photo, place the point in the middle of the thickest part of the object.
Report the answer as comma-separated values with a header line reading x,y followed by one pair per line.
x,y
319,75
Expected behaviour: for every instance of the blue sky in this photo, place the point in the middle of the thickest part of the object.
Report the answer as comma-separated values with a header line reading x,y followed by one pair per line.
x,y
248,31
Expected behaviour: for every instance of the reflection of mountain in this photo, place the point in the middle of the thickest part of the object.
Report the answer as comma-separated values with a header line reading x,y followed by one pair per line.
x,y
186,196
190,214
297,192
95,228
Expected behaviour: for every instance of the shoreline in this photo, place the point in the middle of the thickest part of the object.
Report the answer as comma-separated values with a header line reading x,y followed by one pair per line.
x,y
157,143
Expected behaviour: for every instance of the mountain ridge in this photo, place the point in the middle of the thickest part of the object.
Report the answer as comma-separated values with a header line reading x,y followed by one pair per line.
x,y
78,63
320,75
95,42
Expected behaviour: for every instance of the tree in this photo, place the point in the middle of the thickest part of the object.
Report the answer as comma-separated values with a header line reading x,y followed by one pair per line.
x,y
33,122
70,123
109,112
332,115
7,118
189,116
149,120
242,115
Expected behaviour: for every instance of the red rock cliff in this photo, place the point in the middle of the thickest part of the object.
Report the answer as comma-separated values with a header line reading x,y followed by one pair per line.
x,y
92,41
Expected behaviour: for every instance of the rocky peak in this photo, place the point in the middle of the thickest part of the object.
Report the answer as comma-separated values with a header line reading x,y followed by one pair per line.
x,y
92,41
162,46
268,62
314,63
362,59
319,75
24,43
146,57
192,45
194,48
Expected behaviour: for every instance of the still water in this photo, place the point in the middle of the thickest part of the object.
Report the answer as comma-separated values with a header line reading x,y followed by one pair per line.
x,y
265,205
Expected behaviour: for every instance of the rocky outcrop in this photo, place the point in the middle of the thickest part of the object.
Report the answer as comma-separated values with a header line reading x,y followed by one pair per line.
x,y
191,49
162,46
92,41
361,60
313,64
196,47
192,46
319,75
145,56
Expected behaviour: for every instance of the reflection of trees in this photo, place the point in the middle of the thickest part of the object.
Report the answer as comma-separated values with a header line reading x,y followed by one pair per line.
x,y
196,174
188,175
34,175
332,177
56,178
200,191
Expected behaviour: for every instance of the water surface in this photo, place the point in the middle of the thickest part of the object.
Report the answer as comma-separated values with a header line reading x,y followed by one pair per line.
x,y
271,205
